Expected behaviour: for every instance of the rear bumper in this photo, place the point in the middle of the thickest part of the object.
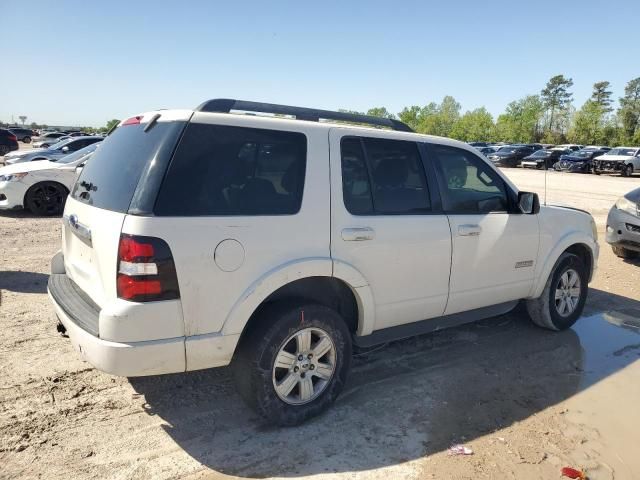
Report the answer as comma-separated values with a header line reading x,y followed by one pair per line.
x,y
131,359
81,318
529,164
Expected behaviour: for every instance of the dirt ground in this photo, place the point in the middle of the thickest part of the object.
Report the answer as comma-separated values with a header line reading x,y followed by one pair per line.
x,y
527,401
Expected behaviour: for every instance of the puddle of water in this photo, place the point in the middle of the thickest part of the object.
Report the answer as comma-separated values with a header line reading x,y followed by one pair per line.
x,y
610,341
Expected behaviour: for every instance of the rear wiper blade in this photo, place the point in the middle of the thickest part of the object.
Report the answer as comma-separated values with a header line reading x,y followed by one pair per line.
x,y
151,123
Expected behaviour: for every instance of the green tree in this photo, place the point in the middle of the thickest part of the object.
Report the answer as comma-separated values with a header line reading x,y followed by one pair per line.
x,y
411,116
110,124
556,99
474,125
380,112
602,96
629,111
588,124
521,121
439,119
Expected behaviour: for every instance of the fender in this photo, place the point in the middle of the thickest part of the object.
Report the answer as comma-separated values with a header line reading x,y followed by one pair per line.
x,y
570,238
289,272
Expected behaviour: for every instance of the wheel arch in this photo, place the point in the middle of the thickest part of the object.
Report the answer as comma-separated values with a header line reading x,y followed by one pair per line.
x,y
576,243
316,280
24,199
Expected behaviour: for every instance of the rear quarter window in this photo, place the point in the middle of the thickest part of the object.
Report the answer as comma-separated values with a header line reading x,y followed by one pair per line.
x,y
234,171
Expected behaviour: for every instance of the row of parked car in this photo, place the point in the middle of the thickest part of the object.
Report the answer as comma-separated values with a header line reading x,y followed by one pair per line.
x,y
9,138
569,157
40,179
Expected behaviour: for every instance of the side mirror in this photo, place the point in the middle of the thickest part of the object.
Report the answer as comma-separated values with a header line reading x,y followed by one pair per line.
x,y
65,149
528,203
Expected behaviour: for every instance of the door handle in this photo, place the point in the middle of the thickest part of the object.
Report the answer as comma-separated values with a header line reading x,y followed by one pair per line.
x,y
469,230
358,234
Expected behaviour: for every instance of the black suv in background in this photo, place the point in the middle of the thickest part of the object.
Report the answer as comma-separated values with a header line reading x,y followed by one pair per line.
x,y
8,142
24,134
510,155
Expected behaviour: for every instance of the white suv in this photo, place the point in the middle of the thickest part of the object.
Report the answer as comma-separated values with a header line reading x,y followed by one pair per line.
x,y
197,239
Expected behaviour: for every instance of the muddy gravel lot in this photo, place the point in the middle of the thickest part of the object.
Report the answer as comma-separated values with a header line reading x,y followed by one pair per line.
x,y
526,401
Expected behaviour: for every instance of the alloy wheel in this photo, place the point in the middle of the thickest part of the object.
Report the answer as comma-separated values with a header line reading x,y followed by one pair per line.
x,y
304,366
568,292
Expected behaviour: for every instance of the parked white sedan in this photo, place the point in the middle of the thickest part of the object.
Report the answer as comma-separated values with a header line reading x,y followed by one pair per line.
x,y
41,186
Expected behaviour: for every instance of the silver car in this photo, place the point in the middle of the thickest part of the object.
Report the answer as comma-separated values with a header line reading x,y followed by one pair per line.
x,y
54,152
47,139
623,225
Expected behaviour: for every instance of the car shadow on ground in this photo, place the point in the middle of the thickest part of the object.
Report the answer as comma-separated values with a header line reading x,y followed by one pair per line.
x,y
24,213
405,400
23,282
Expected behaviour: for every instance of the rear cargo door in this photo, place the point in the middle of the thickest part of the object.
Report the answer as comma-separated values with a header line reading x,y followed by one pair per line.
x,y
118,175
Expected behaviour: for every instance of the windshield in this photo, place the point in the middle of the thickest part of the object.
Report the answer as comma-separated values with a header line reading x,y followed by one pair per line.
x,y
507,150
582,153
83,152
621,151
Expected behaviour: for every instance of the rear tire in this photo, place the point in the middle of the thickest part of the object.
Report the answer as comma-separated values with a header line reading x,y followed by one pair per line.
x,y
46,198
26,140
563,297
298,386
3,150
624,252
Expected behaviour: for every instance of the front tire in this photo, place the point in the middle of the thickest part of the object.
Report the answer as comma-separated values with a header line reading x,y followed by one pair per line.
x,y
46,198
627,171
624,252
563,297
293,363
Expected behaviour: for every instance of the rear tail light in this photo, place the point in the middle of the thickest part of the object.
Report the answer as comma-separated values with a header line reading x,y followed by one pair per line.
x,y
146,271
13,137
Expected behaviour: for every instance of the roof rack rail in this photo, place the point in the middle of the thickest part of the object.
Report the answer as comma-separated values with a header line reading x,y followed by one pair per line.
x,y
225,105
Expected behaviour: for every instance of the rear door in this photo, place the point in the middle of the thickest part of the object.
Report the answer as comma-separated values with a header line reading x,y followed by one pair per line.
x,y
100,199
387,224
495,248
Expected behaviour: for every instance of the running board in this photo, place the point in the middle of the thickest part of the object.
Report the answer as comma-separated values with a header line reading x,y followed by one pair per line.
x,y
409,330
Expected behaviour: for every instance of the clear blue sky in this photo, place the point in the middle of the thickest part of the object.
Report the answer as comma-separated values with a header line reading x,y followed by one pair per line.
x,y
82,63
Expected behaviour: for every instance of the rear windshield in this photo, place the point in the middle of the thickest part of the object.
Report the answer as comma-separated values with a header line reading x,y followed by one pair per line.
x,y
223,170
110,179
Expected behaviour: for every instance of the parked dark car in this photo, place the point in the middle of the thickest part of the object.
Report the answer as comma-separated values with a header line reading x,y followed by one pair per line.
x,y
24,134
486,151
478,144
535,146
543,158
580,161
510,155
8,142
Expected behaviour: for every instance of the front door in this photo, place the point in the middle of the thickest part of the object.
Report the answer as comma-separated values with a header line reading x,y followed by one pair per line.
x,y
495,248
384,224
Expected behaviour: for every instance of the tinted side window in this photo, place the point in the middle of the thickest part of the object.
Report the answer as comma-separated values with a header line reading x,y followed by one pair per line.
x,y
382,176
469,184
221,170
356,189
